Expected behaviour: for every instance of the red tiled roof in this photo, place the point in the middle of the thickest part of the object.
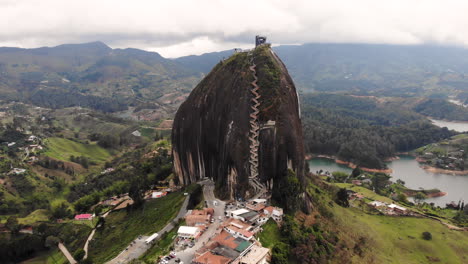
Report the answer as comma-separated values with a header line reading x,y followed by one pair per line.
x,y
226,239
209,258
83,216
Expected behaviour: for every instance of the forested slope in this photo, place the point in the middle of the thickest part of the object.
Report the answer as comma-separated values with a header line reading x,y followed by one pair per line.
x,y
361,130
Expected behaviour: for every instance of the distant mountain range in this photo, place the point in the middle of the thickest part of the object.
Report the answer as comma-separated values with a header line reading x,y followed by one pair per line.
x,y
367,69
92,75
97,76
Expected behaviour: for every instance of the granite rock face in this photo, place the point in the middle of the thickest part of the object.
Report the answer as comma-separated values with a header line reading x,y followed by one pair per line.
x,y
210,135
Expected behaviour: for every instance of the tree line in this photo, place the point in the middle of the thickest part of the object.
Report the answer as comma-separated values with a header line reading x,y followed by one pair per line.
x,y
360,131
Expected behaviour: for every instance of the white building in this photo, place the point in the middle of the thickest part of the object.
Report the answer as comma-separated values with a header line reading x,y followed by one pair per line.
x,y
136,133
259,201
274,212
158,194
256,255
236,213
188,232
377,204
397,208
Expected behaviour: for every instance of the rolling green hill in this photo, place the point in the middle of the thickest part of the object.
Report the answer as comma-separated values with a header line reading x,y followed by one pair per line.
x,y
91,75
63,149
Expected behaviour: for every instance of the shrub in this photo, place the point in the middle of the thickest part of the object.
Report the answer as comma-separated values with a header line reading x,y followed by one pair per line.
x,y
427,235
79,254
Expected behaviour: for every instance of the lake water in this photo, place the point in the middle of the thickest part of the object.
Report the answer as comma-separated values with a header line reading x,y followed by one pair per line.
x,y
457,126
408,170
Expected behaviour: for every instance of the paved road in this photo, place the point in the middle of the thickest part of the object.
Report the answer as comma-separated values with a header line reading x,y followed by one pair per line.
x,y
66,253
188,254
139,247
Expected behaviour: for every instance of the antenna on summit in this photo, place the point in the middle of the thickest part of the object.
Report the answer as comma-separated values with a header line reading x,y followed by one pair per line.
x,y
259,40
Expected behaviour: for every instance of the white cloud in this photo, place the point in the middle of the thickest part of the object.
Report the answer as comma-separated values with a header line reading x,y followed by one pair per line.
x,y
182,27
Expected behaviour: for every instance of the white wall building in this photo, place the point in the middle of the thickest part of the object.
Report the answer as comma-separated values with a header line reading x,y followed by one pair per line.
x,y
188,232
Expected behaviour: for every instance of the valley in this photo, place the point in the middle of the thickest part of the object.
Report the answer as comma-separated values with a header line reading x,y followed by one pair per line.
x,y
93,140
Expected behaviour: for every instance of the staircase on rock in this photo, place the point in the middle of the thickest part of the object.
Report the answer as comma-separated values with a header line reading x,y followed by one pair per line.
x,y
254,131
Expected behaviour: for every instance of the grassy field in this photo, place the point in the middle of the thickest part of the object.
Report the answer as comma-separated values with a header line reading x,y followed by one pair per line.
x,y
364,191
49,257
122,227
62,149
40,215
270,234
399,239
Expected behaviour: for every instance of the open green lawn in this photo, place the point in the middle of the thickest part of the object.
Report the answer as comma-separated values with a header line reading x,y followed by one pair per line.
x,y
122,227
48,257
270,234
364,191
62,149
40,215
399,239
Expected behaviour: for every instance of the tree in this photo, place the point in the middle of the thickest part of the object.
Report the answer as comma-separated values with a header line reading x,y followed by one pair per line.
x,y
401,197
52,241
280,253
356,172
79,254
427,235
136,191
61,211
12,224
419,197
401,182
380,182
342,197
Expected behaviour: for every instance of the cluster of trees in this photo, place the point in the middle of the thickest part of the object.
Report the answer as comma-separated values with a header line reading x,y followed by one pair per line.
x,y
442,109
144,172
360,131
109,141
53,164
17,247
84,161
286,192
305,244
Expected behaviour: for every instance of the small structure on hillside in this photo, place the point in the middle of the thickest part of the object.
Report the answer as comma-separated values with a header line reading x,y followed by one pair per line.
x,y
84,217
274,212
259,40
17,171
158,194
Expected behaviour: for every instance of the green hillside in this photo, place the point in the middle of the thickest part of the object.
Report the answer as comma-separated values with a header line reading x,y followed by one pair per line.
x,y
93,75
63,149
399,239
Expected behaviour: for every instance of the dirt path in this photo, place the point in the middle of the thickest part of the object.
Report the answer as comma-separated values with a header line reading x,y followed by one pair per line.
x,y
66,253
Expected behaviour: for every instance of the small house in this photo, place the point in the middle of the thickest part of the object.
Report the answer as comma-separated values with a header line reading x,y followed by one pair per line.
x,y
84,217
397,208
158,194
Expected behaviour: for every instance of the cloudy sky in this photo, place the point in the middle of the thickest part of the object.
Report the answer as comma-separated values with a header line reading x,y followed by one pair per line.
x,y
176,27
